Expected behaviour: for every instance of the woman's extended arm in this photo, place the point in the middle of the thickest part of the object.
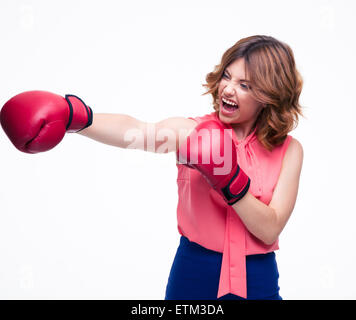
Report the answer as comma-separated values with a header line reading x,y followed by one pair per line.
x,y
124,131
266,222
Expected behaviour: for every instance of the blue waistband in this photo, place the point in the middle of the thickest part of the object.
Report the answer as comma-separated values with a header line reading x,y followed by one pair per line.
x,y
194,247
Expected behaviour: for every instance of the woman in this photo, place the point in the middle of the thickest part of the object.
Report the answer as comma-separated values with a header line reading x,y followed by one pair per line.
x,y
255,91
226,247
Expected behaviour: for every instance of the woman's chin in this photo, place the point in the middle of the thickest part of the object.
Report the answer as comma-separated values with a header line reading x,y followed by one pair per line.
x,y
227,118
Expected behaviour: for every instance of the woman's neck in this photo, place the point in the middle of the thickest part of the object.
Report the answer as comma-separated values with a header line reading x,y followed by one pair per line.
x,y
243,130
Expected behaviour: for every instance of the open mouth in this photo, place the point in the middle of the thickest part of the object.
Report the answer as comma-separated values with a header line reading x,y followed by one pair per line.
x,y
228,105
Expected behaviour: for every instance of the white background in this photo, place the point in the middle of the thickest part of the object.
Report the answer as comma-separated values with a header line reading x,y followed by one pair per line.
x,y
91,221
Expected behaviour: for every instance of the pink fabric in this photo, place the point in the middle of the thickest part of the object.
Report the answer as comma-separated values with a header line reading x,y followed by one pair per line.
x,y
205,218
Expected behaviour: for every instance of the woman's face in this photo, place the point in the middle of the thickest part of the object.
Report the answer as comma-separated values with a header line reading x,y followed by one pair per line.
x,y
234,88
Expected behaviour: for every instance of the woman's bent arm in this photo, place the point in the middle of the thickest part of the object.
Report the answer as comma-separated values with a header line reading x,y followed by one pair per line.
x,y
266,222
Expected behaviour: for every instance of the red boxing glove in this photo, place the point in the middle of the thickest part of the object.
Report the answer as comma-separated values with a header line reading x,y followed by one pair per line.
x,y
36,121
210,150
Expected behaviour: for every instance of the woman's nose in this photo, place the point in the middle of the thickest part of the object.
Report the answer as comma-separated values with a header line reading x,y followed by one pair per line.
x,y
229,90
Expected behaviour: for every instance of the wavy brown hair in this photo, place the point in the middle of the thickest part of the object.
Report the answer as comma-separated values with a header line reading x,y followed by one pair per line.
x,y
275,82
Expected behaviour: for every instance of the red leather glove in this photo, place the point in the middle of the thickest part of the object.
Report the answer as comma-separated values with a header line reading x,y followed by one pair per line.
x,y
36,121
210,150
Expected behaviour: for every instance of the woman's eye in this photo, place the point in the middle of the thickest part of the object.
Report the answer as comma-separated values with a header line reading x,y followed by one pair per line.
x,y
242,85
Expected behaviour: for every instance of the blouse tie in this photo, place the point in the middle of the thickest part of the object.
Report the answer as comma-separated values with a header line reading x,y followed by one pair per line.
x,y
233,268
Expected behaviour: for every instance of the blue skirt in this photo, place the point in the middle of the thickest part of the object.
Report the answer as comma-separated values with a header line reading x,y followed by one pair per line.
x,y
195,275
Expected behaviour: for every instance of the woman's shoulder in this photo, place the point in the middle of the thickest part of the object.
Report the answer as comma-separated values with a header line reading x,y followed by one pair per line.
x,y
289,148
294,152
290,145
295,146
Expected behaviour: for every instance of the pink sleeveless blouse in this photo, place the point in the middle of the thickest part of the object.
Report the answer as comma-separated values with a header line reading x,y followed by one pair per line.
x,y
205,218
